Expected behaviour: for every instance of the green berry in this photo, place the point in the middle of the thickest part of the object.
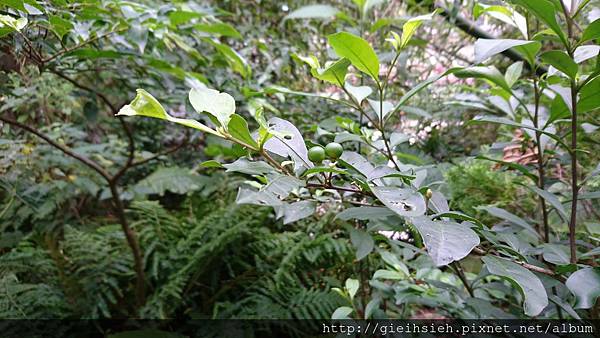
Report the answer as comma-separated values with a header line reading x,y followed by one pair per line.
x,y
316,154
334,150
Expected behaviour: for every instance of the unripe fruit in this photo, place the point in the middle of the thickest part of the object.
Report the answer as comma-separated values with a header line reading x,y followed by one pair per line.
x,y
316,154
334,150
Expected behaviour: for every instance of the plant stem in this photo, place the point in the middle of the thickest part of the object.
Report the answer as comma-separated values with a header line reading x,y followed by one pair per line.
x,y
463,277
541,172
573,147
574,184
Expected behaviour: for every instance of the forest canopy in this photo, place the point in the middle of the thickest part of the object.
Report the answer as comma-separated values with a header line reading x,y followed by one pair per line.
x,y
339,159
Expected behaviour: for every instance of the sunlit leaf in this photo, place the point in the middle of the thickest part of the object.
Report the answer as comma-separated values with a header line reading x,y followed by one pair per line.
x,y
358,51
145,104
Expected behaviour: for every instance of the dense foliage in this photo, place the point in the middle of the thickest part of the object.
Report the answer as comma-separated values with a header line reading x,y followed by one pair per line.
x,y
399,162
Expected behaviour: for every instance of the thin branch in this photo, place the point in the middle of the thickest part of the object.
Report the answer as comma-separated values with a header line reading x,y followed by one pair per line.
x,y
88,162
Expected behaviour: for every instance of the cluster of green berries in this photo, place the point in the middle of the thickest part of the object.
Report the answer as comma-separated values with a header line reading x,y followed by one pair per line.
x,y
332,150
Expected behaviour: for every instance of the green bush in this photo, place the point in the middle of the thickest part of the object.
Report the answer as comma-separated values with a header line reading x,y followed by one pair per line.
x,y
474,183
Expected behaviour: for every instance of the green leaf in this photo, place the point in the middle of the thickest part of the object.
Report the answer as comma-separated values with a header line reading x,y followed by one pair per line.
x,y
358,51
362,241
220,105
410,27
334,73
180,17
528,284
59,26
591,32
365,213
292,212
211,164
287,141
12,23
565,306
446,241
315,170
585,285
486,48
553,200
388,274
145,104
235,60
242,165
312,12
394,262
358,93
588,96
352,287
489,73
238,129
371,307
513,72
556,254
546,12
404,202
342,312
512,218
561,61
219,28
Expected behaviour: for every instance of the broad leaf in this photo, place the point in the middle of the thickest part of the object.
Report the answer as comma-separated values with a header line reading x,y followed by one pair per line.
x,y
512,218
404,202
358,93
585,285
358,51
312,12
556,254
561,61
145,104
242,165
365,213
219,105
486,48
362,241
591,32
219,28
410,27
238,129
352,287
446,241
546,12
388,274
553,200
513,72
342,312
334,73
292,212
287,141
489,73
530,286
588,96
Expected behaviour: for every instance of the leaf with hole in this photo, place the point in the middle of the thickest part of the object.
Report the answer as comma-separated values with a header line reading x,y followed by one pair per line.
x,y
403,201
